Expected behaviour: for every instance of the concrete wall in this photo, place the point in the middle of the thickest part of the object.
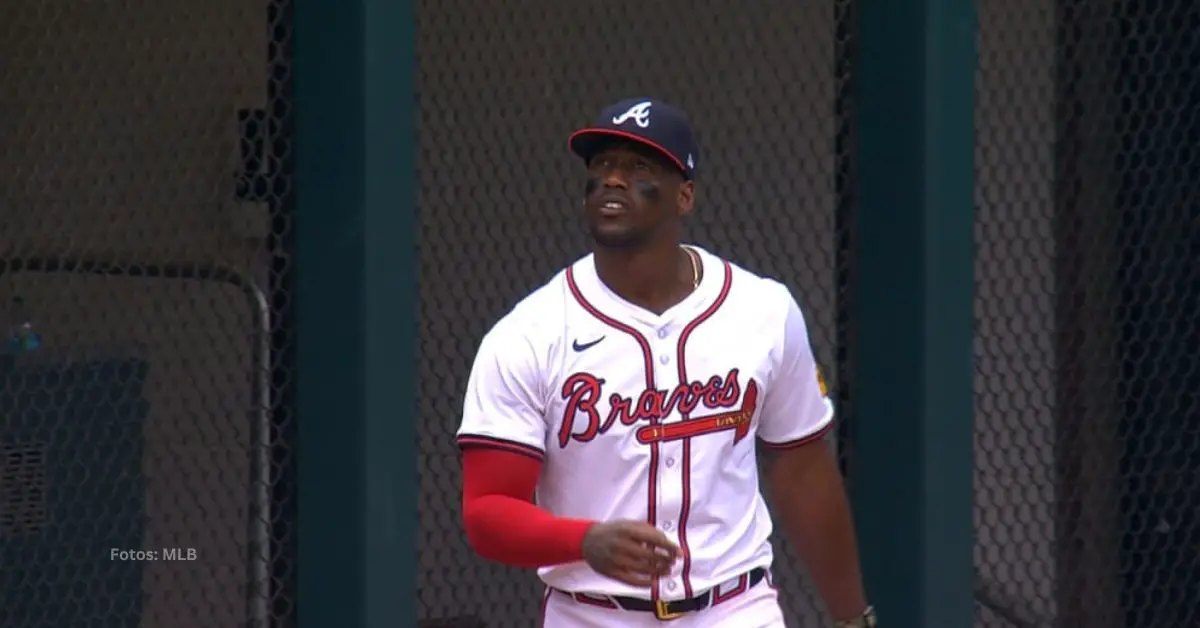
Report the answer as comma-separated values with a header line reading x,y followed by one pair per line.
x,y
120,144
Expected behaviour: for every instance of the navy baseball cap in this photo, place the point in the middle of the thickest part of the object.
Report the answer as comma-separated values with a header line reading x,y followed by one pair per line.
x,y
647,121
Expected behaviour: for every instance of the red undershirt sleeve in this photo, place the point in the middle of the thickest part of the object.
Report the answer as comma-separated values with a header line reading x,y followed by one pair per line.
x,y
501,520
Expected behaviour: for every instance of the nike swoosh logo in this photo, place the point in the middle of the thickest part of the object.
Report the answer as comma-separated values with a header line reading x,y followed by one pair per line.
x,y
583,347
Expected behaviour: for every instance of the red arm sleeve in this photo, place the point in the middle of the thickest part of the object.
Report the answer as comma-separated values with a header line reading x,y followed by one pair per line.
x,y
501,520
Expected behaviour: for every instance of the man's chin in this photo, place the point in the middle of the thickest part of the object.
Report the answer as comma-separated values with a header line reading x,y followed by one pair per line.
x,y
619,240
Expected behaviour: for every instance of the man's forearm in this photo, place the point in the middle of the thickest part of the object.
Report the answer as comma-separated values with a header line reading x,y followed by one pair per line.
x,y
810,502
502,522
520,534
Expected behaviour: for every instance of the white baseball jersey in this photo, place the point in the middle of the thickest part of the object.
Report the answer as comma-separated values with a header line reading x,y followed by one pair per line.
x,y
651,417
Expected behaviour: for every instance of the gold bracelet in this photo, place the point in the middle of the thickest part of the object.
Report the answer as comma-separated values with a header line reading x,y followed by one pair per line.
x,y
866,620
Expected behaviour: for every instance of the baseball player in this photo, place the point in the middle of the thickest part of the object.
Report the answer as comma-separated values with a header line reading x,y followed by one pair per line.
x,y
610,418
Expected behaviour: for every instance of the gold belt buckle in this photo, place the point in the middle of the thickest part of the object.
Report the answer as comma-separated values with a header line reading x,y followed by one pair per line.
x,y
662,610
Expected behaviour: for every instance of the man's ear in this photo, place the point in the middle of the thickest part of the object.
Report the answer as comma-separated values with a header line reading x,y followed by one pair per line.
x,y
687,198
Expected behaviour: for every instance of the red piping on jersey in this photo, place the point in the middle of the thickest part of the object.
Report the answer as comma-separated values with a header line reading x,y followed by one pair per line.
x,y
491,442
648,365
681,360
804,440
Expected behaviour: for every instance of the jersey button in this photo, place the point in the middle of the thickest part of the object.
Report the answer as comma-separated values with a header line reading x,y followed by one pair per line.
x,y
670,462
666,525
664,359
662,333
670,586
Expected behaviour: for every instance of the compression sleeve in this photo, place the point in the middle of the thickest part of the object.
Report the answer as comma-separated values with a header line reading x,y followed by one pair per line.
x,y
500,518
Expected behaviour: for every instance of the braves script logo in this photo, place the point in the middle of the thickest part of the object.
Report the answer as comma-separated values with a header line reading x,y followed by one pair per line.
x,y
581,391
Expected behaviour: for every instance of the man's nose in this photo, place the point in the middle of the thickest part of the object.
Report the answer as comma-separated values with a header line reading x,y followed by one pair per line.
x,y
615,178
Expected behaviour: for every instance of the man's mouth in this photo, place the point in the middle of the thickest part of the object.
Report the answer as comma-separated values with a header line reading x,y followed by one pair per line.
x,y
613,207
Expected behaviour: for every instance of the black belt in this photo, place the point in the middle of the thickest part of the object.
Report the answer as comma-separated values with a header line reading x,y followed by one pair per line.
x,y
673,609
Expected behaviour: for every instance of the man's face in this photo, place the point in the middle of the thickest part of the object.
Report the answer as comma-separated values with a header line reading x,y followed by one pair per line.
x,y
632,192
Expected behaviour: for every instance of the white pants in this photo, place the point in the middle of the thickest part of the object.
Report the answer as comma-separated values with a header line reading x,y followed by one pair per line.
x,y
756,608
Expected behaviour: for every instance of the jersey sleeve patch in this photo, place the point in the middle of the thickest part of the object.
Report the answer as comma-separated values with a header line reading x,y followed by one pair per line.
x,y
468,441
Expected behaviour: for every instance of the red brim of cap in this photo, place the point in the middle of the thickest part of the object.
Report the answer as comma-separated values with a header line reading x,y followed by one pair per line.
x,y
584,141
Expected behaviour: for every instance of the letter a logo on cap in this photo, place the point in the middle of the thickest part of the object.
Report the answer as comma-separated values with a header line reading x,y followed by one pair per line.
x,y
639,113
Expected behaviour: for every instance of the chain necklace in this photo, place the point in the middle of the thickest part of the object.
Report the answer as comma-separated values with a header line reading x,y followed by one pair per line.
x,y
694,259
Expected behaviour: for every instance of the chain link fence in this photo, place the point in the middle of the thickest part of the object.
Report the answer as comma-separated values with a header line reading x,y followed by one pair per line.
x,y
144,442
144,273
1088,231
1085,512
501,85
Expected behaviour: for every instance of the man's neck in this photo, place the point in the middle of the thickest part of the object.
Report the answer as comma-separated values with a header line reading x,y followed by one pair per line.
x,y
654,277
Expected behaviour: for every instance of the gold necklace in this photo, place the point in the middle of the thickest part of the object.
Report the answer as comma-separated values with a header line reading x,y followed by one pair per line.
x,y
694,259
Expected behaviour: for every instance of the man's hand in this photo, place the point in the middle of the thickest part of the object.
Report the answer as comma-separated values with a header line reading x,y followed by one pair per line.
x,y
633,552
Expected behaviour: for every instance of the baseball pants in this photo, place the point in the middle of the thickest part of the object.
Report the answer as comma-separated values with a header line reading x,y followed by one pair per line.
x,y
755,608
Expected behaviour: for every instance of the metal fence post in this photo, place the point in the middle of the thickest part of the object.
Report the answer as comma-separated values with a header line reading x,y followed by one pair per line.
x,y
913,386
356,291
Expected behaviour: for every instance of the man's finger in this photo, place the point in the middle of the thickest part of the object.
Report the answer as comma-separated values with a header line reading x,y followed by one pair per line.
x,y
641,551
644,558
633,557
662,566
653,537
